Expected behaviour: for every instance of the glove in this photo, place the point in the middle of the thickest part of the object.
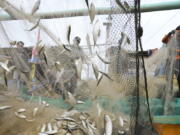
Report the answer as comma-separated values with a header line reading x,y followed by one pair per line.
x,y
165,39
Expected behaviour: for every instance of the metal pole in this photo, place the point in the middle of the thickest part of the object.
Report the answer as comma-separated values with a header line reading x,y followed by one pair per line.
x,y
158,6
161,6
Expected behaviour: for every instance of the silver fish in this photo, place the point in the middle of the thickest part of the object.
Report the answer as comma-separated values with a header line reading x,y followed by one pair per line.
x,y
47,105
55,127
70,99
126,5
19,115
80,102
21,110
108,125
35,110
49,126
104,61
90,129
43,128
99,80
42,134
121,121
68,133
41,47
95,70
65,118
91,124
5,78
87,3
96,31
44,102
124,39
68,33
35,7
50,129
121,5
69,113
13,43
35,26
106,75
5,66
30,120
84,123
121,132
67,49
58,65
99,109
6,70
45,58
5,107
51,132
88,43
92,12
82,117
72,126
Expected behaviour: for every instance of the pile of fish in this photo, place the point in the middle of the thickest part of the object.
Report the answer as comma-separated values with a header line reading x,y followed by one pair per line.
x,y
80,123
73,122
20,113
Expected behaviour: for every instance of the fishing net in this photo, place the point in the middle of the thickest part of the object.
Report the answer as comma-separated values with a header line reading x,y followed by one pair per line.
x,y
77,71
131,73
164,72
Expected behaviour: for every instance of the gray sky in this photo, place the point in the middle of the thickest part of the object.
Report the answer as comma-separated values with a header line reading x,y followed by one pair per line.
x,y
156,25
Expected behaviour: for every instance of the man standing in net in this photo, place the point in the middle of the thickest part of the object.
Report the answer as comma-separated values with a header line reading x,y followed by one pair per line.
x,y
177,66
165,40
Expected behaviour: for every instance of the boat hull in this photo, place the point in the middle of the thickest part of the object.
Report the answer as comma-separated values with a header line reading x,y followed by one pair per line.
x,y
167,129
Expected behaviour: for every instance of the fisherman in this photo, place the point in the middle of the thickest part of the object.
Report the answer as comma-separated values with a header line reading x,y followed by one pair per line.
x,y
75,54
67,74
165,40
76,50
167,37
177,65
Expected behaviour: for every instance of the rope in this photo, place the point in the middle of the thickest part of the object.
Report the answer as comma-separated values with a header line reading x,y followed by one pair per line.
x,y
140,33
137,70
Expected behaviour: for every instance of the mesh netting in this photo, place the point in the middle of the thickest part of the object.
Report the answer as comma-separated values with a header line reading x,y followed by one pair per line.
x,y
96,88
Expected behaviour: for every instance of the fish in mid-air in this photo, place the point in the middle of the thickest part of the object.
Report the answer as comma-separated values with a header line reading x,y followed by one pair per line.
x,y
5,66
88,43
35,7
35,26
92,12
87,3
124,40
106,75
96,31
99,80
95,70
68,33
121,5
104,61
108,127
126,5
